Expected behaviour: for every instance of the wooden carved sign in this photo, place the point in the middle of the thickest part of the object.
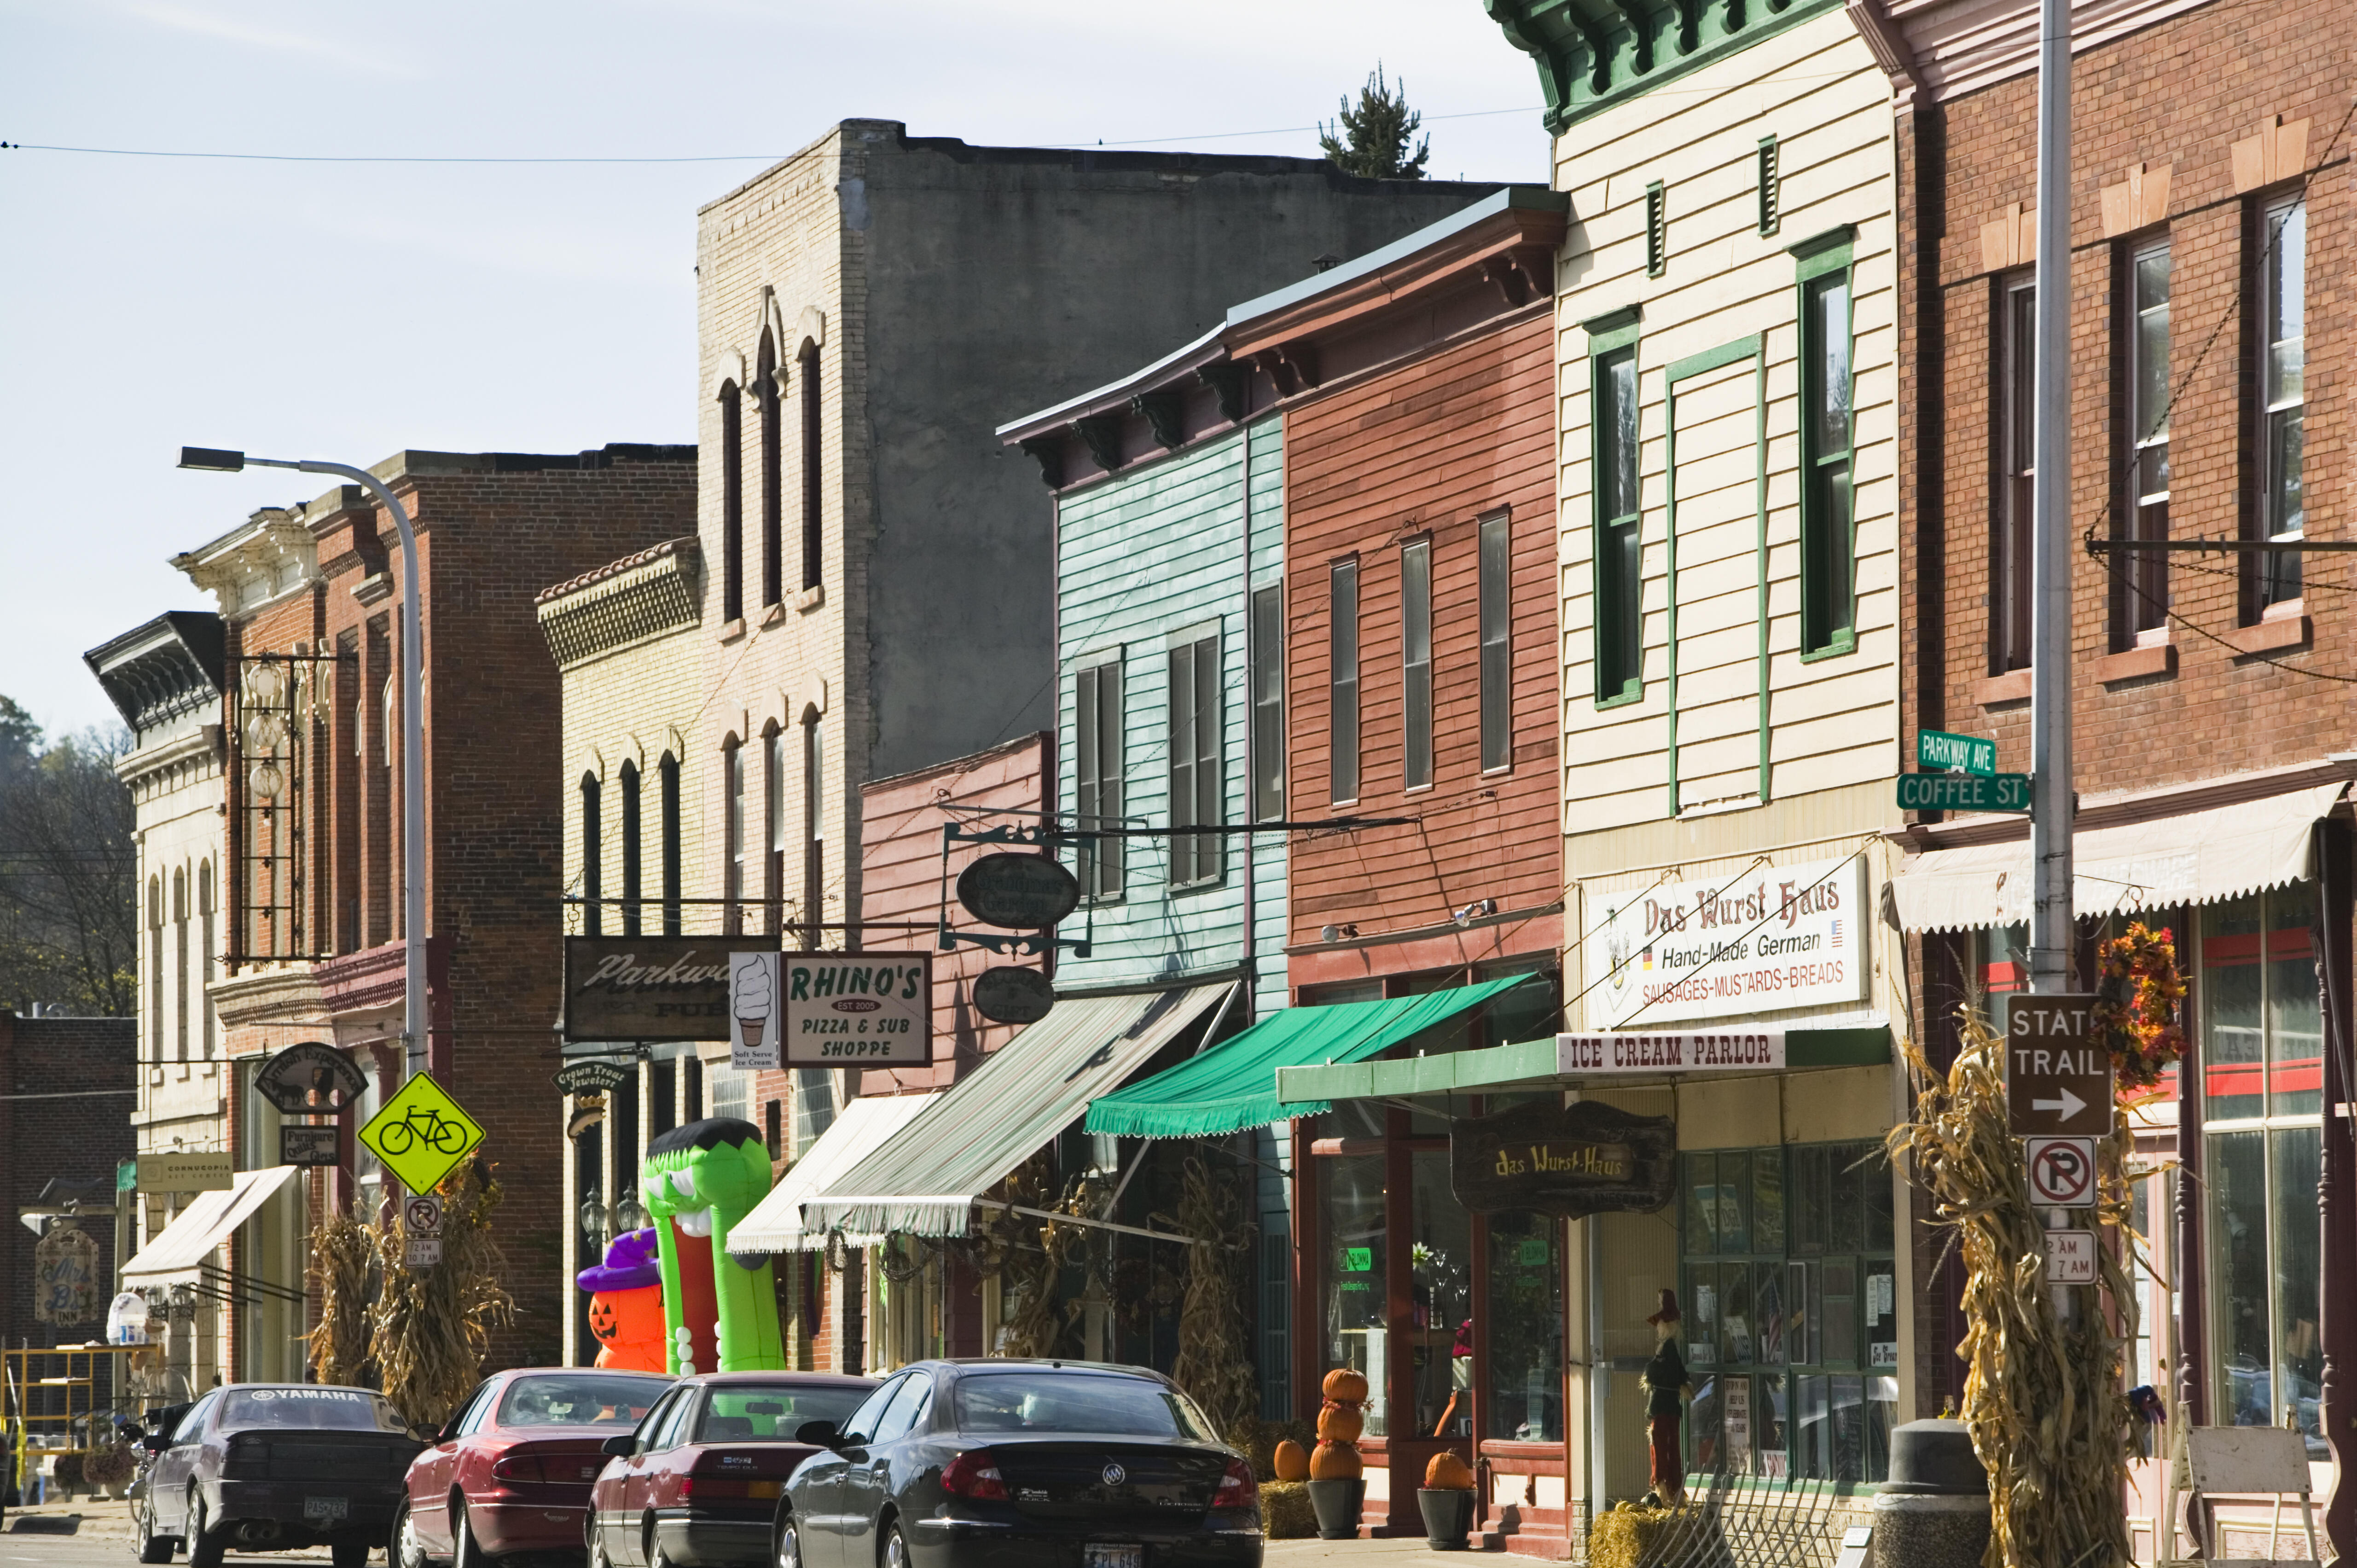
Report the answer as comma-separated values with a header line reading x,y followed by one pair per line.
x,y
1567,1160
65,1275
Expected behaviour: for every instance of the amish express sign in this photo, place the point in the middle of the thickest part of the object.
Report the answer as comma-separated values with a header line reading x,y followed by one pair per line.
x,y
1569,1160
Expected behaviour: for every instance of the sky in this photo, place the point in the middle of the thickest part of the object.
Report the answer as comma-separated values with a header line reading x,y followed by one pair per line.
x,y
347,311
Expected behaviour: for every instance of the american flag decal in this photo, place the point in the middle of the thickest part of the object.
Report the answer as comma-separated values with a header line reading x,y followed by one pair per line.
x,y
1837,931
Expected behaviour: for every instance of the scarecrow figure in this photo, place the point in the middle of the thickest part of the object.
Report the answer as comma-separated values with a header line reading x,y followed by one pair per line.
x,y
1665,1388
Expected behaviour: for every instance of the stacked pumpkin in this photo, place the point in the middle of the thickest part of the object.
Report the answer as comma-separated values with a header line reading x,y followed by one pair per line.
x,y
1339,1420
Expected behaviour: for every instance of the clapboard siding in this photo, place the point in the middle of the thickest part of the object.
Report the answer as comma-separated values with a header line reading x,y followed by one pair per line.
x,y
1830,722
1153,552
1428,448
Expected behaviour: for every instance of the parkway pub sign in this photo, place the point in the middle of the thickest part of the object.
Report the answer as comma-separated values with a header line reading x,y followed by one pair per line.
x,y
1567,1160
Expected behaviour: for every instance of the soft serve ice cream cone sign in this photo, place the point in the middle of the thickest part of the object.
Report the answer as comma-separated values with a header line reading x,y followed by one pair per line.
x,y
753,1009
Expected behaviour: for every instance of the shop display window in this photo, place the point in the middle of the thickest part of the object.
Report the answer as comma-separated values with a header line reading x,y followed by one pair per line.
x,y
1789,1295
1525,1403
1350,1225
1440,1290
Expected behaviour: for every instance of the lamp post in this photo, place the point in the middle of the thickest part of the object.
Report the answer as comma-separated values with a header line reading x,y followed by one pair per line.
x,y
413,729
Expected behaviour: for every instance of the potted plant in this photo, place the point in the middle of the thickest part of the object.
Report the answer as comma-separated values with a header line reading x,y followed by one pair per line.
x,y
1447,1501
1338,1486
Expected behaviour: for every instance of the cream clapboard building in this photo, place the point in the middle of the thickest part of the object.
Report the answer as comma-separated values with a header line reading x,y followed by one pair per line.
x,y
1729,504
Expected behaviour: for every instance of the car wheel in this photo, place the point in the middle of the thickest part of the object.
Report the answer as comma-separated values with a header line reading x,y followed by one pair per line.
x,y
350,1550
788,1553
896,1548
599,1557
464,1553
404,1550
153,1547
206,1546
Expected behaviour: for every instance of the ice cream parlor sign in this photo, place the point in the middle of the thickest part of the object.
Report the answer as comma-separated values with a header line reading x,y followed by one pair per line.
x,y
799,1009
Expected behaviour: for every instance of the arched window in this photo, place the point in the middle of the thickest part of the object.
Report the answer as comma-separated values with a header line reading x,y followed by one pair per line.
x,y
732,867
180,958
205,948
773,834
667,781
765,392
809,393
593,869
732,504
813,831
631,889
155,969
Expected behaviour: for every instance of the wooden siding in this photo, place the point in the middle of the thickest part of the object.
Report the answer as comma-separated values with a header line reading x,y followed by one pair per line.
x,y
1428,448
1828,721
1156,550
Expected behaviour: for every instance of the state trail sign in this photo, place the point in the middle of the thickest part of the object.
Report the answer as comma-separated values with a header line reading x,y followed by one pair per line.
x,y
2058,1080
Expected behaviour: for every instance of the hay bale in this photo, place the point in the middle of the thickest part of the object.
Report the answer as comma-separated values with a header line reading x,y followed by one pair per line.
x,y
1622,1534
1285,1511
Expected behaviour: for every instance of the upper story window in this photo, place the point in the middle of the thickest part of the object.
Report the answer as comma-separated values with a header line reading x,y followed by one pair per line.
x,y
593,867
1097,778
667,778
2144,575
813,831
773,838
1415,664
1828,551
1342,678
632,883
1497,591
2282,380
1197,782
1268,703
1620,536
765,392
811,454
2016,398
732,775
732,504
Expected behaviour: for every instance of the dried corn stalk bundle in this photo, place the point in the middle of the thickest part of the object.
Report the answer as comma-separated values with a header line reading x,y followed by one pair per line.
x,y
2043,1399
1210,1364
343,1247
433,1324
1029,1271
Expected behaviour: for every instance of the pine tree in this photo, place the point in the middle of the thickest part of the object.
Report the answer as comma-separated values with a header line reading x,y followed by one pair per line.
x,y
1379,130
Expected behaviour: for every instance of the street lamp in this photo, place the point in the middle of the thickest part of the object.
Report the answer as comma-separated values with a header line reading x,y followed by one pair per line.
x,y
412,727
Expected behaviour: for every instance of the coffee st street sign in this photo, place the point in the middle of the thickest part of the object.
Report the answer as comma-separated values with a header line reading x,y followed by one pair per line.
x,y
1962,792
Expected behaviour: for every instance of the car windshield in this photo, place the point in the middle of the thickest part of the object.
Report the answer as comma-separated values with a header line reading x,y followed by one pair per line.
x,y
346,1410
578,1398
769,1412
1076,1402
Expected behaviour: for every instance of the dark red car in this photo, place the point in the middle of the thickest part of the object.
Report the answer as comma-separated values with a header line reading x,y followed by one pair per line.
x,y
510,1472
698,1484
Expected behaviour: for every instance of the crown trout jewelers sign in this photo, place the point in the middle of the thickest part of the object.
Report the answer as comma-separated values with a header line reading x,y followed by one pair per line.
x,y
1776,936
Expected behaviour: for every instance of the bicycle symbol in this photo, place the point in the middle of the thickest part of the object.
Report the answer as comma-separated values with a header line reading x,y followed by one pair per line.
x,y
425,1126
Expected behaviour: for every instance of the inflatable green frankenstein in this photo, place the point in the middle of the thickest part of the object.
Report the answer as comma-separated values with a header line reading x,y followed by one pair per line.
x,y
721,1311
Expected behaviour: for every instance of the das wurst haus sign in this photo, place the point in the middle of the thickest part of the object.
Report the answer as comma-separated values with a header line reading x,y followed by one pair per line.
x,y
1776,936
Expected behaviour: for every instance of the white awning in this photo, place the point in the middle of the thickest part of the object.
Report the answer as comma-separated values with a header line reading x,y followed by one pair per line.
x,y
187,1244
2198,857
865,1125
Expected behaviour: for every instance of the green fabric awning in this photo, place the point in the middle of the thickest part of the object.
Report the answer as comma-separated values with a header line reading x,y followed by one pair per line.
x,y
1233,1086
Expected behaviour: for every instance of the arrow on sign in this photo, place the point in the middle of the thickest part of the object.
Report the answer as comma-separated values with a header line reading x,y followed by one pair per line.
x,y
2067,1107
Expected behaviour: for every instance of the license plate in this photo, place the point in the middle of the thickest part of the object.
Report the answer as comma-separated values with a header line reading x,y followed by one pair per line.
x,y
1112,1557
328,1510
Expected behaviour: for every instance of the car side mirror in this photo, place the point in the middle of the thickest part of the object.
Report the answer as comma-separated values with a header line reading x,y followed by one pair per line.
x,y
818,1434
621,1448
155,1442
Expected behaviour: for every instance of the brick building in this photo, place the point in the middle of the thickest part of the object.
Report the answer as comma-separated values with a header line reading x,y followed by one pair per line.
x,y
2211,339
311,942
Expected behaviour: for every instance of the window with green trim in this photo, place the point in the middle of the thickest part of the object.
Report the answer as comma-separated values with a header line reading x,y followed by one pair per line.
x,y
1828,588
1620,530
1790,1289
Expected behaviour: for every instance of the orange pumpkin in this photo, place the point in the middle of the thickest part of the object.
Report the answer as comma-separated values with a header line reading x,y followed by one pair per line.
x,y
1448,1473
1344,1386
1291,1461
1340,1424
629,1327
1336,1462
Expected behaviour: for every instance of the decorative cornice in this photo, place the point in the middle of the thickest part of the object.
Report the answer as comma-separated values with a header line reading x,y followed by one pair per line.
x,y
162,670
272,557
623,603
279,995
1592,54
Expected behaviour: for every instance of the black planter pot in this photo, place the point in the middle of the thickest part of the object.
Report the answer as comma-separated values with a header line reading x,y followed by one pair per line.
x,y
1337,1504
1448,1515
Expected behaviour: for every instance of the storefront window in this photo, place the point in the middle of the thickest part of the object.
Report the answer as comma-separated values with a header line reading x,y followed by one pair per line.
x,y
1788,1265
1350,1221
2262,1058
1440,1285
1526,1350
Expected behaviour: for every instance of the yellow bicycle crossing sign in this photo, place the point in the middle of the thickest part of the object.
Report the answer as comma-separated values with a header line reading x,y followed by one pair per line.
x,y
421,1133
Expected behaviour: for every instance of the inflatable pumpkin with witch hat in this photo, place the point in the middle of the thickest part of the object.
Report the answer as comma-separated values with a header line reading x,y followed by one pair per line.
x,y
625,1306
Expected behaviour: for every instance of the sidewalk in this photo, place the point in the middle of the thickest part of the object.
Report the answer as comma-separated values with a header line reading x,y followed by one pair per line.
x,y
87,1520
1392,1551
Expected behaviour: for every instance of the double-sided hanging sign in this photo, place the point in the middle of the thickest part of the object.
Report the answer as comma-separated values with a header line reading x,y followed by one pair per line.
x,y
1569,1160
1020,892
1011,994
290,1079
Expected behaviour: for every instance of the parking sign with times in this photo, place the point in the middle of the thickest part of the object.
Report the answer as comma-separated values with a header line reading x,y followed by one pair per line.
x,y
2071,1257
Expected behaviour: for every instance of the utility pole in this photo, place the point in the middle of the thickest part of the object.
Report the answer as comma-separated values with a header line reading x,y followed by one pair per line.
x,y
2052,928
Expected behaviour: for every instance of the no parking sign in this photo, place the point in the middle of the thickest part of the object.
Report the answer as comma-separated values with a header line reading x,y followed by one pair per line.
x,y
2062,1172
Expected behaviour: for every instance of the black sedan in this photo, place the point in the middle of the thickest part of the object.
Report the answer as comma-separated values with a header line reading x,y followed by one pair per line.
x,y
994,1464
267,1467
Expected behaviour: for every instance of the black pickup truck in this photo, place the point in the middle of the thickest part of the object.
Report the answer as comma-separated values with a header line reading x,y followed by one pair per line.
x,y
272,1467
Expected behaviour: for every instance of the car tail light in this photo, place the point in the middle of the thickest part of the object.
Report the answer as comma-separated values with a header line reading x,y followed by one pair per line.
x,y
1237,1488
518,1468
973,1477
247,1456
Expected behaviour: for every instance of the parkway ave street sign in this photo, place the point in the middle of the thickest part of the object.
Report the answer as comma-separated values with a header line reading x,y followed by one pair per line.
x,y
421,1134
1962,792
1941,752
2058,1080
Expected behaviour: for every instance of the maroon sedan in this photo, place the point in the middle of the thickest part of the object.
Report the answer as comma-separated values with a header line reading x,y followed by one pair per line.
x,y
698,1484
512,1471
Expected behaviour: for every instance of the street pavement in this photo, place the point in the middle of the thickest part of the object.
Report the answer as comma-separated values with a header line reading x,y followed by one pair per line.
x,y
102,1534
